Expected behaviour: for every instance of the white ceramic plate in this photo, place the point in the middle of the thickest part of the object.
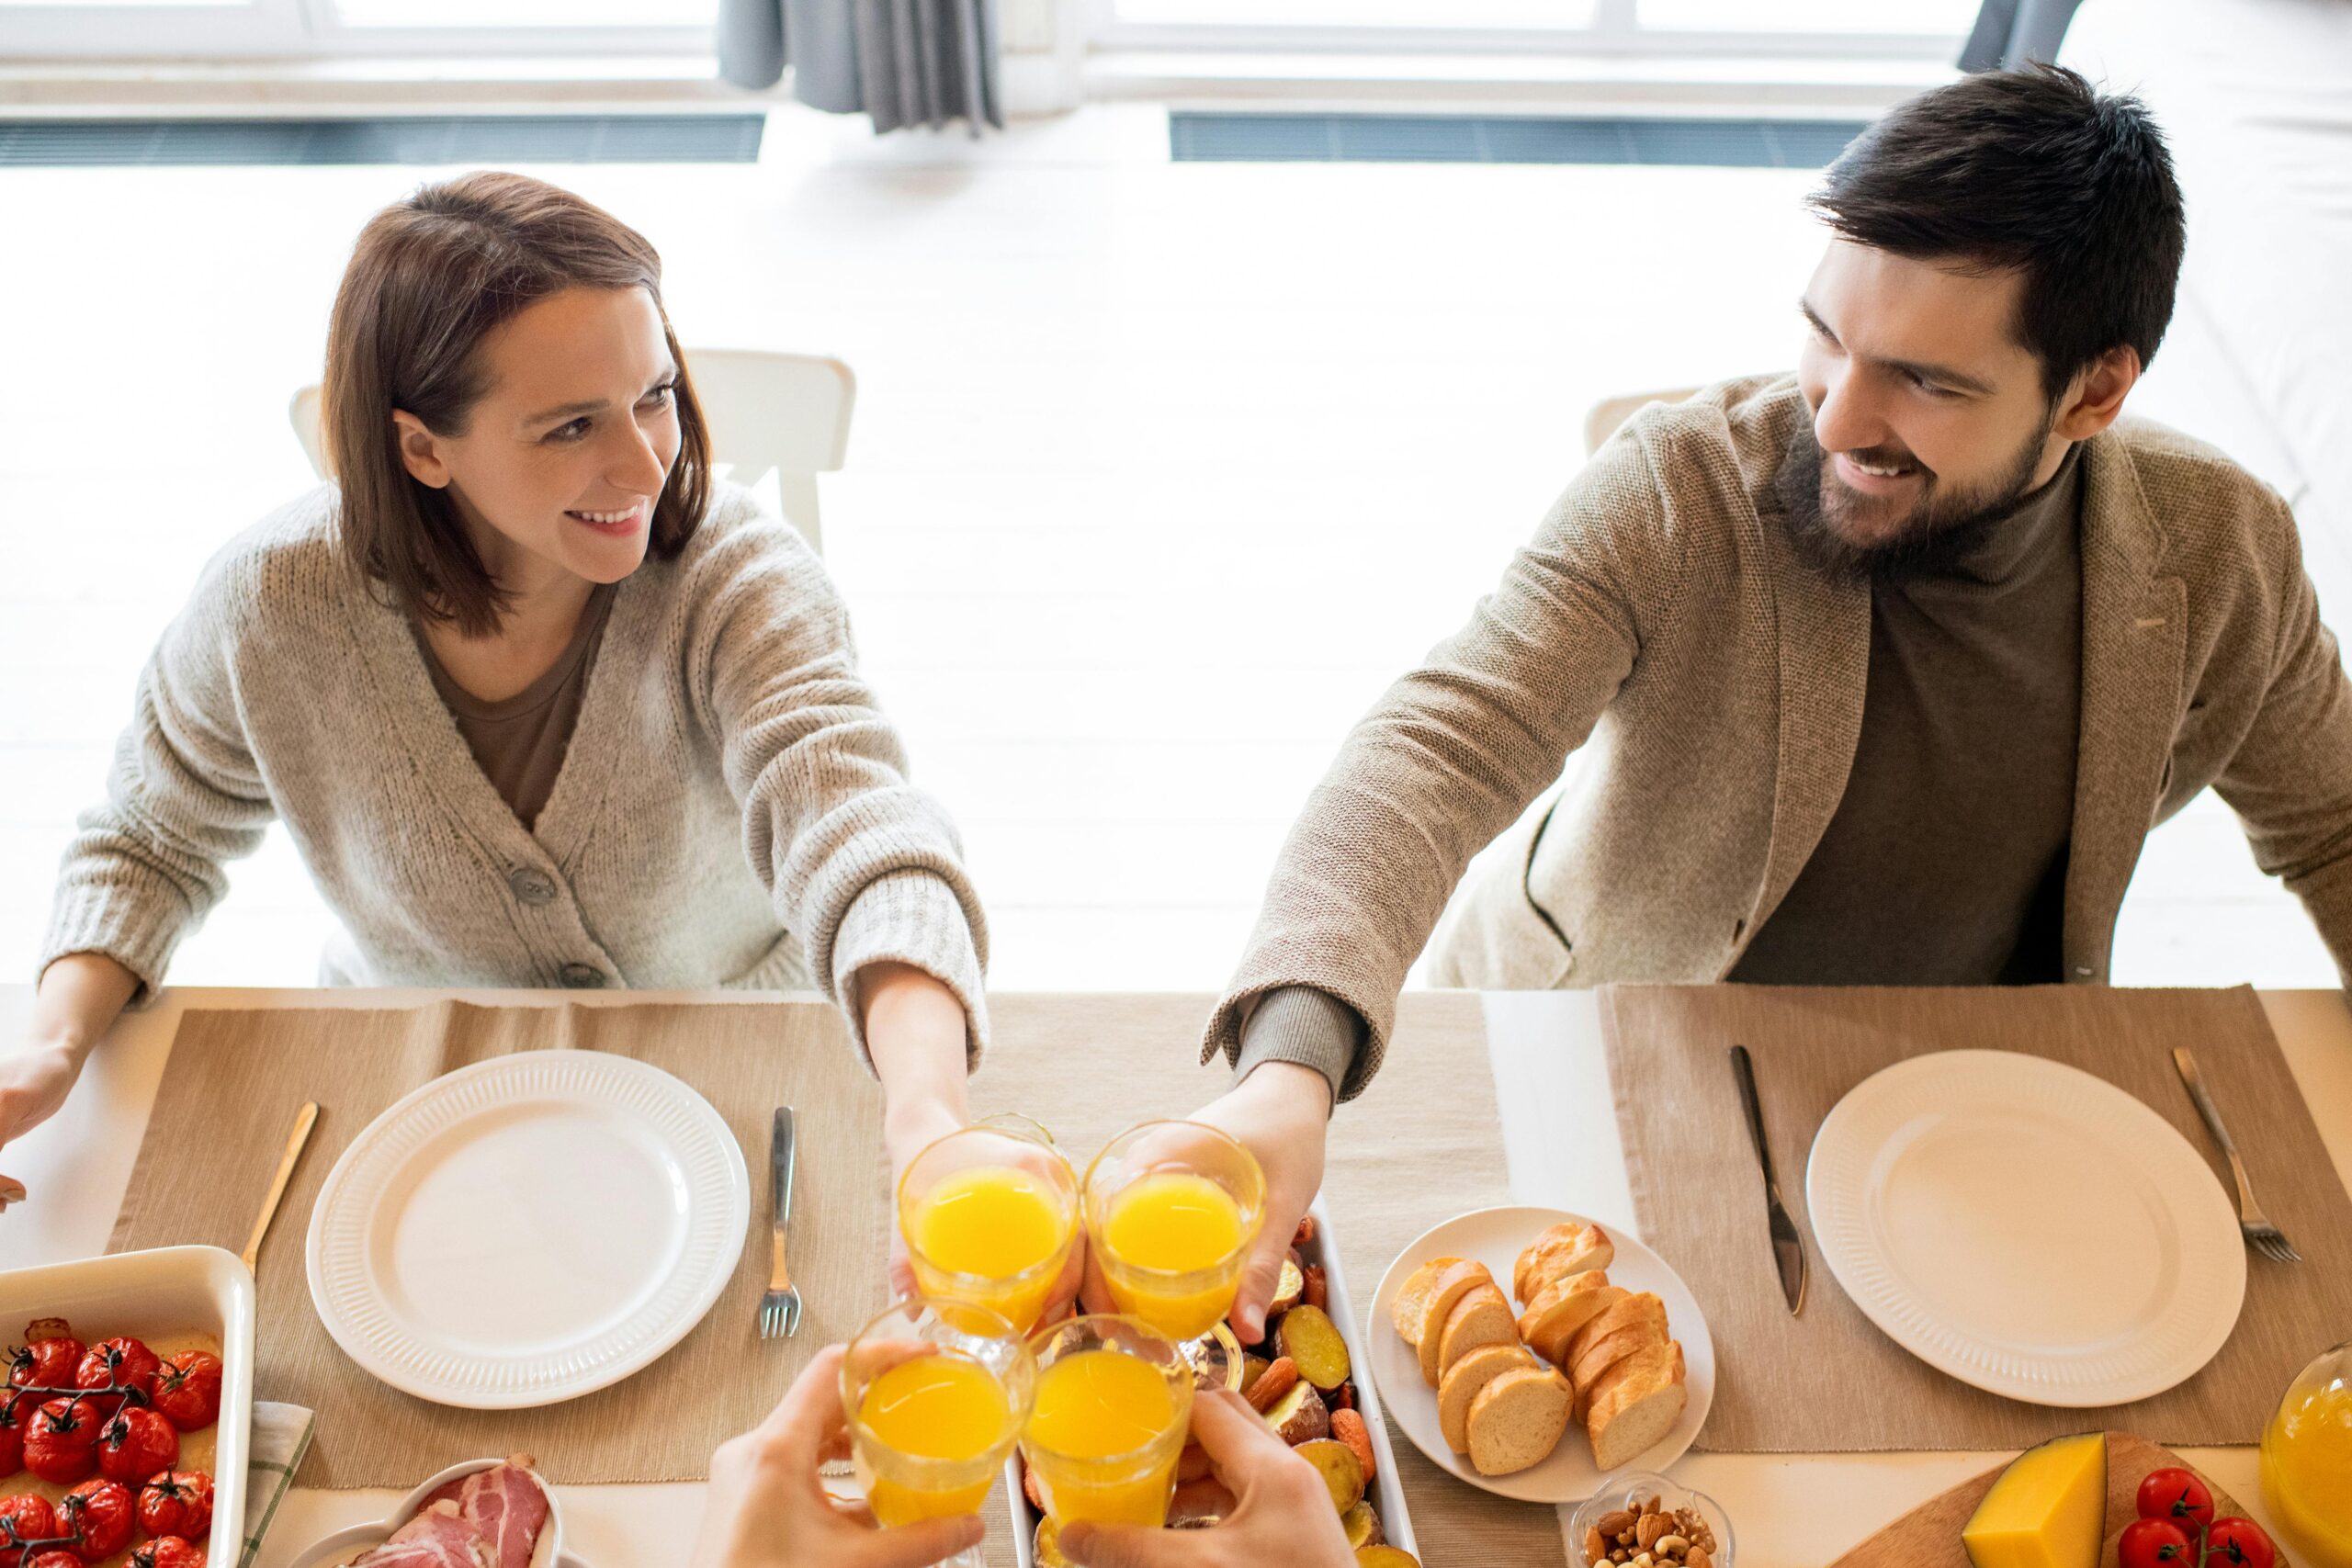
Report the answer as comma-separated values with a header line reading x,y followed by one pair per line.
x,y
1495,1237
2026,1227
528,1229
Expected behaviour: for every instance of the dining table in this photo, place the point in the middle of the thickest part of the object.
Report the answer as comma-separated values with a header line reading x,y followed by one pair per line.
x,y
1546,1055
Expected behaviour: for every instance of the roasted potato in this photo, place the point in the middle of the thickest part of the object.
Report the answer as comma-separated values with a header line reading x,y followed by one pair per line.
x,y
1342,1472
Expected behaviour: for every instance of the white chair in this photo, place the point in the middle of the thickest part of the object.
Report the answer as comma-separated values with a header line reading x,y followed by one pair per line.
x,y
784,416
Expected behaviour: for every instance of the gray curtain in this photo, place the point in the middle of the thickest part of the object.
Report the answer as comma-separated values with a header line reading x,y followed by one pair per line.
x,y
902,62
2010,33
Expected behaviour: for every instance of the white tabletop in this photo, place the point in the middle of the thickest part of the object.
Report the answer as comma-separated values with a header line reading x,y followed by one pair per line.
x,y
1791,1511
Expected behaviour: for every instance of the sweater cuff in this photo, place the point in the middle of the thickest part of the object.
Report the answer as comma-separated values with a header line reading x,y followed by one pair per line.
x,y
1301,1024
914,918
135,929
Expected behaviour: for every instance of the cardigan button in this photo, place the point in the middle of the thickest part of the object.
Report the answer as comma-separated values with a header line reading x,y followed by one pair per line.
x,y
581,977
530,886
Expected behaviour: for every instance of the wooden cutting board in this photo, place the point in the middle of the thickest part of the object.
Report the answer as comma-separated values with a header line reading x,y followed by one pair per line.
x,y
1929,1535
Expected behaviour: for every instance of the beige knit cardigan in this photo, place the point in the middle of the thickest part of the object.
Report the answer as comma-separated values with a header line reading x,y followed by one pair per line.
x,y
733,809
1661,621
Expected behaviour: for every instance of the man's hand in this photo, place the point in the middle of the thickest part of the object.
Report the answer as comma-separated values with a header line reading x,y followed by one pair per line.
x,y
768,1509
1279,1114
1283,1513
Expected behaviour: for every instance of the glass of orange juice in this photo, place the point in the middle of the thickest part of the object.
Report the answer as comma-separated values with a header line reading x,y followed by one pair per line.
x,y
1113,1408
936,1398
989,1213
1171,1208
2307,1462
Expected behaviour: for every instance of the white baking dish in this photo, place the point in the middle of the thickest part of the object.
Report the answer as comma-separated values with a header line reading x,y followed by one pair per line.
x,y
1388,1495
166,1290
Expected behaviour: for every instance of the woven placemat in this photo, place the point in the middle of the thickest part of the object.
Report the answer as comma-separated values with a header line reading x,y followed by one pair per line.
x,y
229,1095
1830,1381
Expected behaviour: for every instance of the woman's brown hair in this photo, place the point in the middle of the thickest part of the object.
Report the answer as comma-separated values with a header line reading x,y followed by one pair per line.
x,y
430,278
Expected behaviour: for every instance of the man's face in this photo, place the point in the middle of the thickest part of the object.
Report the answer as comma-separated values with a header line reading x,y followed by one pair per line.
x,y
1928,413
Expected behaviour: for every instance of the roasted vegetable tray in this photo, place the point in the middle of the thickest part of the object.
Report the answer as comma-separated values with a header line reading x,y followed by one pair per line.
x,y
1302,1410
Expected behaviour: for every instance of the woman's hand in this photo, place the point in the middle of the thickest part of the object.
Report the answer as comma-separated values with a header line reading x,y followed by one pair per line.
x,y
768,1509
1279,1114
79,997
34,1081
1283,1513
916,1032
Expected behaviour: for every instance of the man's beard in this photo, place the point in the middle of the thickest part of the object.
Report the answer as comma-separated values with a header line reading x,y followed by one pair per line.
x,y
1942,526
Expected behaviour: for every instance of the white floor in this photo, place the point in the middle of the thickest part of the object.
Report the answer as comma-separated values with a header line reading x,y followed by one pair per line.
x,y
1159,473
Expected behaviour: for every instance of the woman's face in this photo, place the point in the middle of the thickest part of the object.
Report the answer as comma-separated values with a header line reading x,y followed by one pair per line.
x,y
562,458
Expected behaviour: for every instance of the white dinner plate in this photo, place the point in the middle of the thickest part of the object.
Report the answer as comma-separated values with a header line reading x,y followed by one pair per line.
x,y
528,1229
2026,1227
1495,1237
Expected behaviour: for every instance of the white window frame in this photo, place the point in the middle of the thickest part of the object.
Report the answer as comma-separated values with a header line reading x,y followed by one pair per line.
x,y
302,30
1614,31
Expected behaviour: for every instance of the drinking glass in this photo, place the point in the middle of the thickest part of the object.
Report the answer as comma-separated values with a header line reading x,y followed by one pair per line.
x,y
2307,1462
989,1213
935,1397
1173,1208
1113,1411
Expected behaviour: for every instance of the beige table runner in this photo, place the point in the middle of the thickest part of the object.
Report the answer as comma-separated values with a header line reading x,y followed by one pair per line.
x,y
1828,1381
1421,1144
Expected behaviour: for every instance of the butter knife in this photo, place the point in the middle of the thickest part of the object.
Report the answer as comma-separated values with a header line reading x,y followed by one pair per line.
x,y
1787,1250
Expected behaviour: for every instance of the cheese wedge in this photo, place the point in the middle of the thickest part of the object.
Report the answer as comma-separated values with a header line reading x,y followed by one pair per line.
x,y
2048,1510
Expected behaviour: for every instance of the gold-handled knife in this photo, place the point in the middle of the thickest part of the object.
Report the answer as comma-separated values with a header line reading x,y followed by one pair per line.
x,y
1787,1251
304,1120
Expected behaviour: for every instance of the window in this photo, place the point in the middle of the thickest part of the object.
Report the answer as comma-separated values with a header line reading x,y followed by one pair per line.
x,y
216,29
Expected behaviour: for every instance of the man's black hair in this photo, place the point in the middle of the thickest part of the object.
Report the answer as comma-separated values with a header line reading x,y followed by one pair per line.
x,y
2033,170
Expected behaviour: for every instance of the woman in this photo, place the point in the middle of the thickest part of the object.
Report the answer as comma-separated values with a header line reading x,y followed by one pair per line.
x,y
541,701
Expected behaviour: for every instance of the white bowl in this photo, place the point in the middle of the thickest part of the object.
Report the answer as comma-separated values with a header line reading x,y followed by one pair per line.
x,y
165,1289
331,1552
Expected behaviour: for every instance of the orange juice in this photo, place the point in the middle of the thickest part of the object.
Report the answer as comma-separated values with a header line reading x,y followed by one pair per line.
x,y
1103,1438
1188,1232
2307,1473
993,1235
940,1406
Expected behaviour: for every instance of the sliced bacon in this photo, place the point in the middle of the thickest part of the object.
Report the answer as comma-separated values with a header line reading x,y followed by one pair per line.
x,y
507,1506
438,1536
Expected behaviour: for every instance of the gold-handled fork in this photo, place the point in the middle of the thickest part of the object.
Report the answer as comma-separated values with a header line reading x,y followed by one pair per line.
x,y
780,1308
2260,1233
304,1120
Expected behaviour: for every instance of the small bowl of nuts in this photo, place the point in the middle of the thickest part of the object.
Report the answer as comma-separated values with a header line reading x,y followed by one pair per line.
x,y
1640,1520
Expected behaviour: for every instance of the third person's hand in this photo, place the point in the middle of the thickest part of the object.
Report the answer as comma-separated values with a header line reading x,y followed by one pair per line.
x,y
1279,1114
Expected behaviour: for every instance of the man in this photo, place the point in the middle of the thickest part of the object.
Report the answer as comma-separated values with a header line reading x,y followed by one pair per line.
x,y
1883,671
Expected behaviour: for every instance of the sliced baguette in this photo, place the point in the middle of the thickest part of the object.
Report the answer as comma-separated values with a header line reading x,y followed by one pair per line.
x,y
1620,1315
1406,1311
1463,1380
1559,1252
1562,1308
1608,1350
1636,1404
1481,1317
1457,1281
1517,1419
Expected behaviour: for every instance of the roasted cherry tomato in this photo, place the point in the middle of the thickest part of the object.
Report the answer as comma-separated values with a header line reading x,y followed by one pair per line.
x,y
137,1444
99,1513
60,1558
26,1517
2241,1543
169,1551
187,1389
117,1364
176,1503
61,1441
2178,1496
2155,1543
48,1356
15,1411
